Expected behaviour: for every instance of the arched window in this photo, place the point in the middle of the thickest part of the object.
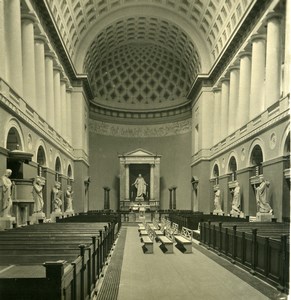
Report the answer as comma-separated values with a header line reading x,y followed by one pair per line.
x,y
41,159
215,173
58,168
257,159
232,167
13,140
70,174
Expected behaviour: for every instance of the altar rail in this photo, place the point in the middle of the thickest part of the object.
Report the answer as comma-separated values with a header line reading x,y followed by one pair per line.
x,y
261,248
191,220
69,273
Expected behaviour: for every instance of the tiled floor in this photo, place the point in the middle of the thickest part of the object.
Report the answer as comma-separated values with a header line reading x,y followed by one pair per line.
x,y
176,276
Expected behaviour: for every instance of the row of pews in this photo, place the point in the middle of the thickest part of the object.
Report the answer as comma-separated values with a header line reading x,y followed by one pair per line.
x,y
261,248
60,260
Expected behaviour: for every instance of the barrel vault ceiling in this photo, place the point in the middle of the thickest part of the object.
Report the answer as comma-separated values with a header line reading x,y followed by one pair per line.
x,y
144,54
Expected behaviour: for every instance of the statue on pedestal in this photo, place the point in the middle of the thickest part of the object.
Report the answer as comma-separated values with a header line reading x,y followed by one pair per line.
x,y
141,187
6,193
263,205
69,199
57,201
37,188
235,206
217,202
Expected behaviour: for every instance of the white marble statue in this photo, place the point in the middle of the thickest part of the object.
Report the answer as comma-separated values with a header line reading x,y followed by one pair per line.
x,y
235,206
38,185
56,195
217,202
6,193
263,205
140,186
69,199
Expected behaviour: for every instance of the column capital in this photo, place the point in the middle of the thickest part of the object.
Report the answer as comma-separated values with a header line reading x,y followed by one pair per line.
x,y
244,53
273,15
69,89
64,79
57,67
216,89
29,17
258,36
40,38
233,68
50,54
223,79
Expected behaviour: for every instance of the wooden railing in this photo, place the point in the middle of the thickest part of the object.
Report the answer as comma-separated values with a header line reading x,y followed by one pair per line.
x,y
262,249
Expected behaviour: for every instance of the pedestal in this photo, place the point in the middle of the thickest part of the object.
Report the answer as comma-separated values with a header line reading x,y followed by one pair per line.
x,y
6,222
264,217
56,214
34,219
69,213
218,212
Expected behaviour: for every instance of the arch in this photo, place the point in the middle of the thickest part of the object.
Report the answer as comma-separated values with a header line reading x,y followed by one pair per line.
x,y
70,171
157,12
58,165
41,144
41,156
257,142
13,136
215,170
285,142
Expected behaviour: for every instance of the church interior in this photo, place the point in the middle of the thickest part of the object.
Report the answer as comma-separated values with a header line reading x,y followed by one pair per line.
x,y
144,143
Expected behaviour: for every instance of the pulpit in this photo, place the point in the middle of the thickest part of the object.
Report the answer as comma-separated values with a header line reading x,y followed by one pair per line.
x,y
143,164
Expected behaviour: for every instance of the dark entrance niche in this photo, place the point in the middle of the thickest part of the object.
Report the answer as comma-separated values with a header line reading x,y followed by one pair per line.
x,y
134,171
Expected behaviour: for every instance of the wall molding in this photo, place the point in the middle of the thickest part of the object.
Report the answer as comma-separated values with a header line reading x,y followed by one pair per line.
x,y
141,131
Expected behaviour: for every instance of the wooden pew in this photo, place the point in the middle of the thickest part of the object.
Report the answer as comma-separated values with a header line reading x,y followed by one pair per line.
x,y
167,242
148,246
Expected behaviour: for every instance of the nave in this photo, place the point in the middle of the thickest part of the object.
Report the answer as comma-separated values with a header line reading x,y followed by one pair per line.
x,y
198,275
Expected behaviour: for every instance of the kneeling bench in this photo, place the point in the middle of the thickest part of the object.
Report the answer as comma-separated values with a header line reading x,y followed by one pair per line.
x,y
185,240
167,243
148,245
143,233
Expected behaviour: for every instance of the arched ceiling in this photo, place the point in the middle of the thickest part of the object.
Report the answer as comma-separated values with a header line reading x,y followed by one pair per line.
x,y
140,59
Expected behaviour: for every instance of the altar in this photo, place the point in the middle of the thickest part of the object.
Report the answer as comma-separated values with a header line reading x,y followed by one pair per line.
x,y
139,181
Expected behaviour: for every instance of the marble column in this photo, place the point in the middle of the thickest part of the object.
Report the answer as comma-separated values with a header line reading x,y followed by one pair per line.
x,y
152,183
57,98
28,59
127,182
273,59
224,107
3,56
287,59
49,88
242,115
217,116
233,97
69,114
257,99
14,52
64,108
39,52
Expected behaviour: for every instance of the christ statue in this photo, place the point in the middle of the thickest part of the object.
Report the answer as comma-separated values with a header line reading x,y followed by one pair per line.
x,y
140,186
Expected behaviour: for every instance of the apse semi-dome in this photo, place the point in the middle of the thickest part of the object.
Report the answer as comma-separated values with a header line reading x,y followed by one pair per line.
x,y
141,63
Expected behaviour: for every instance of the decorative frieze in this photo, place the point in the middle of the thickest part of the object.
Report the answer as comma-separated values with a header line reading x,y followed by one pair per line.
x,y
158,130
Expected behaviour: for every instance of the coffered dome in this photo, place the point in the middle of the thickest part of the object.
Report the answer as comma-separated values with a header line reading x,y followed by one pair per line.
x,y
143,63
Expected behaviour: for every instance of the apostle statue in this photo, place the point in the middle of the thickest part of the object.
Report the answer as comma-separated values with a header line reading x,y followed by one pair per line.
x,y
37,188
263,205
140,186
235,206
217,202
6,193
69,199
56,197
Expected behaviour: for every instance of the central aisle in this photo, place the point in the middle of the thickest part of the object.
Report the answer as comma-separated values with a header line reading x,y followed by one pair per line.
x,y
176,276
